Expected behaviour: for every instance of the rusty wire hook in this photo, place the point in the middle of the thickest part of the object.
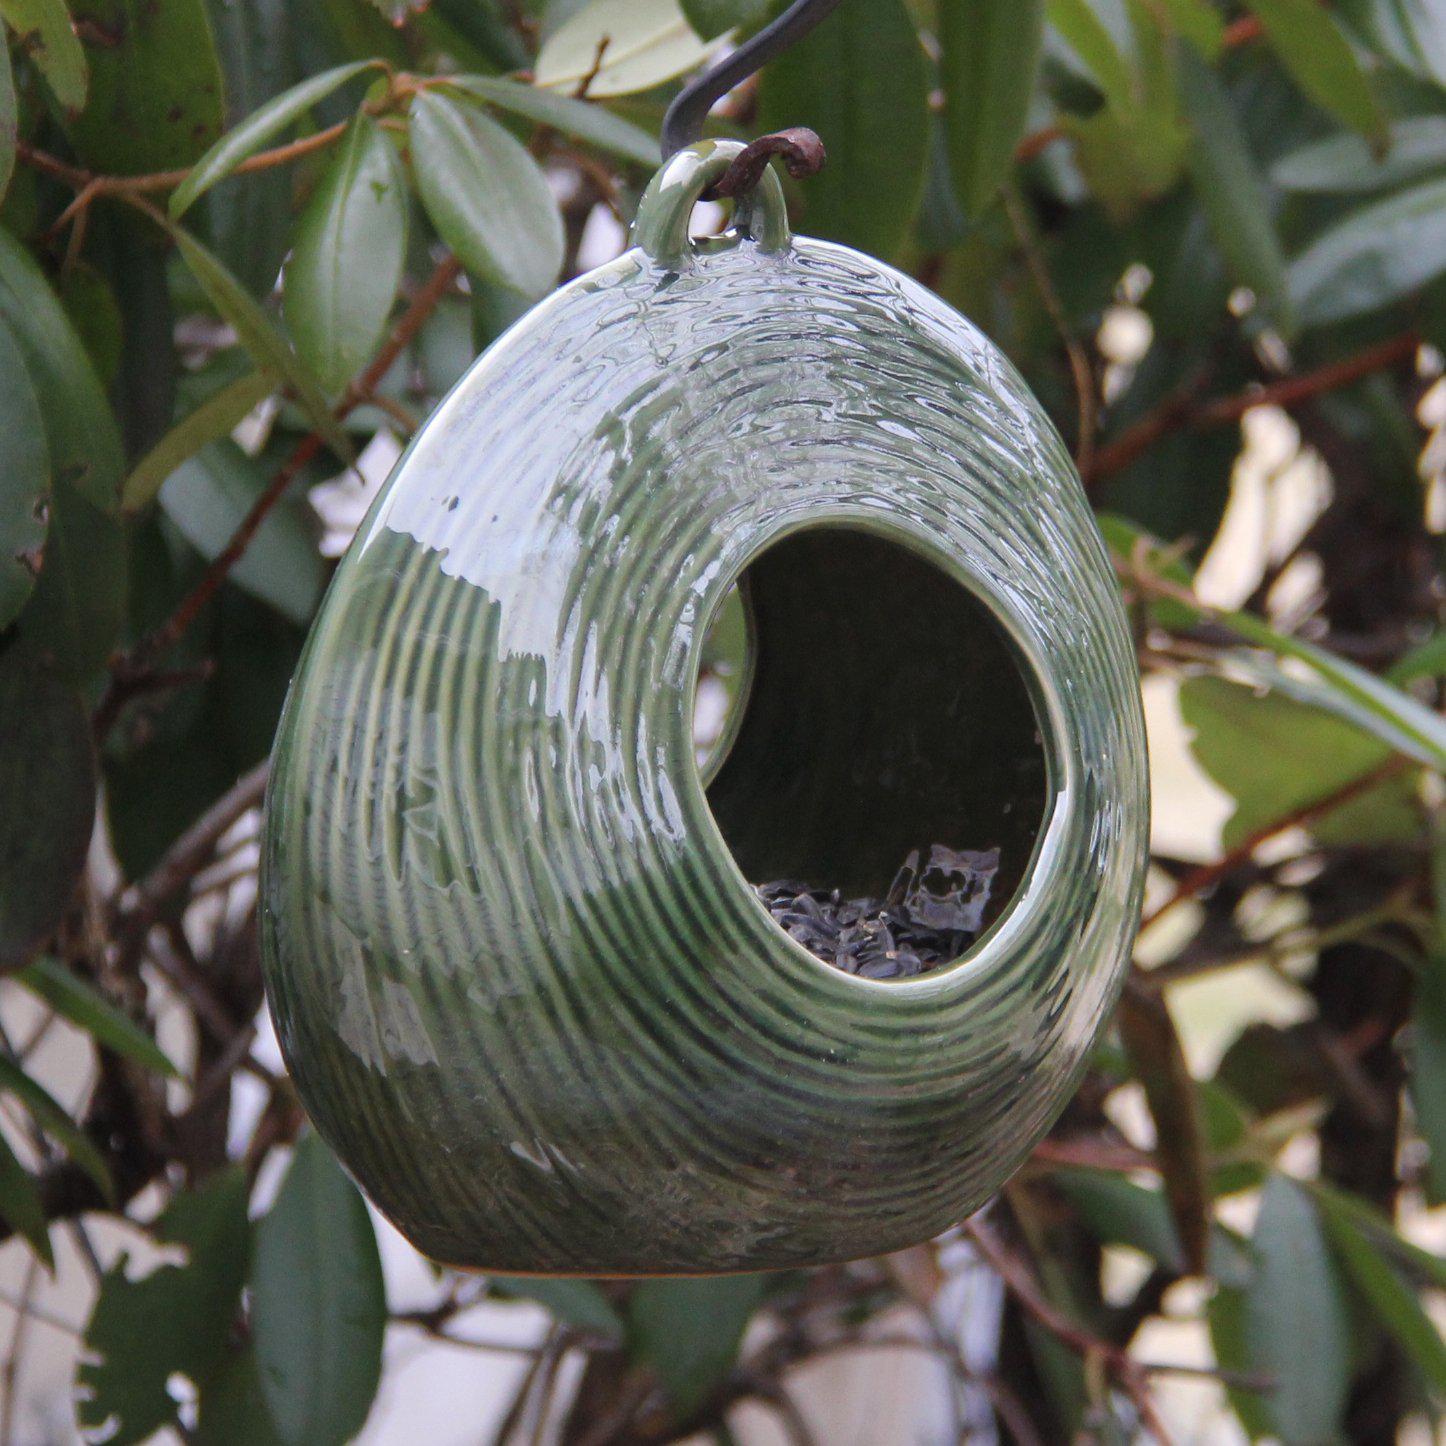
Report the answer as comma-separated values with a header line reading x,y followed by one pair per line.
x,y
800,148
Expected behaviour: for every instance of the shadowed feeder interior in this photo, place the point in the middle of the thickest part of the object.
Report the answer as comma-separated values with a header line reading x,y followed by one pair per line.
x,y
873,707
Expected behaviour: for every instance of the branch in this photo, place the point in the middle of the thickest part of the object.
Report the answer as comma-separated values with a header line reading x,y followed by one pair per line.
x,y
1182,410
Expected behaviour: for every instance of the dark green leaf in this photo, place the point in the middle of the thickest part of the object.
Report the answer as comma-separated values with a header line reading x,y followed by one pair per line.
x,y
1297,1323
20,1205
1373,257
85,449
260,127
46,1111
177,1319
24,479
862,64
155,85
485,195
579,119
43,31
1428,1068
643,43
214,419
1320,59
91,305
233,1410
1393,1301
8,119
1231,191
1416,1264
1092,42
318,1306
578,1303
1341,164
689,1331
269,349
346,262
209,495
712,17
990,53
48,781
1408,32
1226,1316
1425,660
89,1010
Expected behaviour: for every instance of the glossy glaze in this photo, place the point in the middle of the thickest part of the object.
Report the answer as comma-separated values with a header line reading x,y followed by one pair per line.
x,y
523,987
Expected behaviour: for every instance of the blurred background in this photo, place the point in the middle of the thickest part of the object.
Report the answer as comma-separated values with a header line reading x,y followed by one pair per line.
x,y
245,248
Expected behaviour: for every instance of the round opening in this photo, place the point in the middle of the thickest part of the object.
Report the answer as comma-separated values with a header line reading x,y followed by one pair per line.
x,y
871,751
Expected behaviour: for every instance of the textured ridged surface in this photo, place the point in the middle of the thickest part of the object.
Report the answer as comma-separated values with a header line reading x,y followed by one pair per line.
x,y
523,988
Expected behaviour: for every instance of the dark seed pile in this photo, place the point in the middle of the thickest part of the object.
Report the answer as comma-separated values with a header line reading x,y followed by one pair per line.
x,y
933,912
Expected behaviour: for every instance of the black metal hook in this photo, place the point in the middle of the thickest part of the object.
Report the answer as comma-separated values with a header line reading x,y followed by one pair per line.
x,y
801,149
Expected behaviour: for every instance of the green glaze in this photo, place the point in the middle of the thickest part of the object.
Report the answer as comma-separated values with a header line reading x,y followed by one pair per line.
x,y
519,975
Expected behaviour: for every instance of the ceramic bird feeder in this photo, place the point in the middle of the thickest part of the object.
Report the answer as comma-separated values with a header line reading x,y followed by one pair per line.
x,y
518,966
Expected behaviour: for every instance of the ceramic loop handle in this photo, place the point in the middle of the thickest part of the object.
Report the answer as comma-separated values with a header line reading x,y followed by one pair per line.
x,y
661,227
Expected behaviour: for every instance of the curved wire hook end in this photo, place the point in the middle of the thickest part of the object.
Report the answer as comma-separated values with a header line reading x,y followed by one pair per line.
x,y
799,148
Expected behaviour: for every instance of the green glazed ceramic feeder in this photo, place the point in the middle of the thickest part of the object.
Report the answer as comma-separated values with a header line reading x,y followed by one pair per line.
x,y
517,968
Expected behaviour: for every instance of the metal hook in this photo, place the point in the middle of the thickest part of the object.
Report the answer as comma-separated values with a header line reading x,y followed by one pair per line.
x,y
800,148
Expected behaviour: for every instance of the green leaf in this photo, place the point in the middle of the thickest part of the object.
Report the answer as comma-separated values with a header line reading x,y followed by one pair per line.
x,y
155,85
1198,22
20,1205
989,56
24,479
862,63
347,257
176,1320
620,46
1297,1323
1372,257
1089,38
233,1410
319,1309
268,348
1226,1316
1231,191
43,32
1119,1212
1320,60
48,782
75,613
214,419
486,196
209,495
1414,1263
577,1302
1274,756
1339,165
47,1112
85,448
579,119
711,18
260,127
689,1332
89,1010
9,120
1394,1302
1428,1068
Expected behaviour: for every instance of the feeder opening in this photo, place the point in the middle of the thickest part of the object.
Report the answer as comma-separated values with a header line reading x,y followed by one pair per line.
x,y
870,750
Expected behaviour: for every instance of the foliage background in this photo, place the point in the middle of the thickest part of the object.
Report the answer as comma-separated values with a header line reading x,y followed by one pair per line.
x,y
246,244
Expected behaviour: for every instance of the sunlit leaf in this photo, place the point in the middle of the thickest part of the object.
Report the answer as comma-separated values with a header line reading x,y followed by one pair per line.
x,y
43,30
989,56
1342,164
485,195
259,128
318,1304
615,47
346,261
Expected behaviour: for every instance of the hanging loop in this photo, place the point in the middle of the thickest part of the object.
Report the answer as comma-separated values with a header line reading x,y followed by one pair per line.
x,y
801,149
